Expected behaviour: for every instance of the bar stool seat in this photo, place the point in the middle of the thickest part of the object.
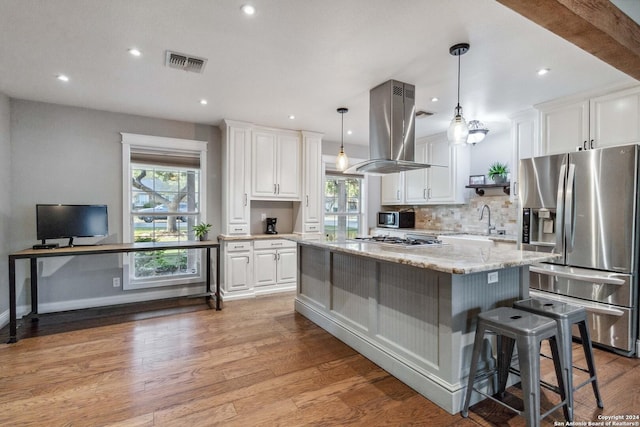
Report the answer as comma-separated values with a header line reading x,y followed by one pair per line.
x,y
565,316
526,331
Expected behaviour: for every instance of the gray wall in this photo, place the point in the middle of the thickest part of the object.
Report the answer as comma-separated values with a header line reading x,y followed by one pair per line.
x,y
5,202
74,155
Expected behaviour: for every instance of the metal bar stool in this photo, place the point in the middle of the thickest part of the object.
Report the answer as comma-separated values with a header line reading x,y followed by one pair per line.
x,y
565,316
526,331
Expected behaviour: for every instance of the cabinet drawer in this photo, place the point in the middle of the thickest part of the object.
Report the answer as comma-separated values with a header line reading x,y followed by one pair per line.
x,y
310,228
237,246
273,244
238,229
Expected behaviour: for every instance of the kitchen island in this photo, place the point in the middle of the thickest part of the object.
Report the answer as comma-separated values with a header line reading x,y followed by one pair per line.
x,y
411,310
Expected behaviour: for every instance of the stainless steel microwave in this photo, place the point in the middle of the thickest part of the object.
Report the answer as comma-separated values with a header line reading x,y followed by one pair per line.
x,y
397,219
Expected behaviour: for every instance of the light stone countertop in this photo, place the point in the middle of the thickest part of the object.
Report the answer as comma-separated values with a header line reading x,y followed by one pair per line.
x,y
448,258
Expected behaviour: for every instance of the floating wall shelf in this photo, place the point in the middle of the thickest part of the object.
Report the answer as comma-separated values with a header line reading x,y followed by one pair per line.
x,y
506,187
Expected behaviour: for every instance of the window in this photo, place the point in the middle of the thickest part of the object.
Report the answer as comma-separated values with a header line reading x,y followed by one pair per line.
x,y
343,212
164,200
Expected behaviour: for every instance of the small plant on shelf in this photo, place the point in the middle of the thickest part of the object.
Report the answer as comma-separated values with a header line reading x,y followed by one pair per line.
x,y
202,230
498,172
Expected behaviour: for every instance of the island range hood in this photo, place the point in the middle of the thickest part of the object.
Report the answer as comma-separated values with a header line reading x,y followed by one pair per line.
x,y
392,112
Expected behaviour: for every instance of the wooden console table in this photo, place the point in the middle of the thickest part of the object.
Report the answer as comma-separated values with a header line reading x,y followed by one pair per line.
x,y
34,254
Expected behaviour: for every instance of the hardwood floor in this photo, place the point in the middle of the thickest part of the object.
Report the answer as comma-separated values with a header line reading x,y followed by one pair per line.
x,y
256,363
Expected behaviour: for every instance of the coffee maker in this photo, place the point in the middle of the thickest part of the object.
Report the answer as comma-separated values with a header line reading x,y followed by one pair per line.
x,y
271,226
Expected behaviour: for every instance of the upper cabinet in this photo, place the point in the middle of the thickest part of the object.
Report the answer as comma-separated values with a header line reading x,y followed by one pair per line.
x,y
442,183
236,173
524,139
275,165
308,215
612,119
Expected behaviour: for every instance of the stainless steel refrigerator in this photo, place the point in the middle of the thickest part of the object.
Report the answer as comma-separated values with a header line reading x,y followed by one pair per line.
x,y
584,206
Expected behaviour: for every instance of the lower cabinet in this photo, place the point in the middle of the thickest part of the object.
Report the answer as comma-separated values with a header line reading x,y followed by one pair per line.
x,y
257,267
274,265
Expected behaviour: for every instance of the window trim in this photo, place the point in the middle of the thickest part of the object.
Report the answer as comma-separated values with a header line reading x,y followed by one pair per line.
x,y
160,144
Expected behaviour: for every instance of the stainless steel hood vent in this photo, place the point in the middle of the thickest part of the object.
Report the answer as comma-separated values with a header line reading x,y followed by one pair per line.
x,y
392,111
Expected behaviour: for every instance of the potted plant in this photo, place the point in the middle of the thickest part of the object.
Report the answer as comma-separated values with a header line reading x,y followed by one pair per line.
x,y
498,172
202,230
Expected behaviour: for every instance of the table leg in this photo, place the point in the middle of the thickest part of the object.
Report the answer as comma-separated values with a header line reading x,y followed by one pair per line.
x,y
12,301
218,301
34,287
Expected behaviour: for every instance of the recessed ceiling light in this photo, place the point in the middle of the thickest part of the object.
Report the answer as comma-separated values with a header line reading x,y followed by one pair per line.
x,y
135,52
291,117
435,99
203,102
349,132
62,77
543,71
248,9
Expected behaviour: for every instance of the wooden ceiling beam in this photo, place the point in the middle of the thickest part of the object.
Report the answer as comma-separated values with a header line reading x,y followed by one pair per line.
x,y
596,26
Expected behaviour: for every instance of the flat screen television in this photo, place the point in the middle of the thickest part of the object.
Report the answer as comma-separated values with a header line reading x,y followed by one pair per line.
x,y
70,221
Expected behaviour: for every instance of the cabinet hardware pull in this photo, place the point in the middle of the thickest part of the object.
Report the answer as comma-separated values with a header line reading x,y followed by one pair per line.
x,y
276,244
247,260
591,144
515,188
245,199
274,189
429,194
237,229
278,185
397,194
584,145
275,257
278,257
307,200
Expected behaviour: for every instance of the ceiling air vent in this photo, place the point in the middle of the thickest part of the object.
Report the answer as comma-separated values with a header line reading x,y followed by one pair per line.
x,y
185,62
423,114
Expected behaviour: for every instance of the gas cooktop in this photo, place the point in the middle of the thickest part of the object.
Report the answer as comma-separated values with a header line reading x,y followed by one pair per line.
x,y
408,241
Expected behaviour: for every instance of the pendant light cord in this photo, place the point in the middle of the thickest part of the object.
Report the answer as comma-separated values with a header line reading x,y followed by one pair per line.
x,y
458,106
342,134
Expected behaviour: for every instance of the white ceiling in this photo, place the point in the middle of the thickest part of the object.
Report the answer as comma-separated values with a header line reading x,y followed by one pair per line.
x,y
292,57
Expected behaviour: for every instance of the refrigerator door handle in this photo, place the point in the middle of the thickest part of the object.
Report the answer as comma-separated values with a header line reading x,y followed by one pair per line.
x,y
568,208
586,278
560,210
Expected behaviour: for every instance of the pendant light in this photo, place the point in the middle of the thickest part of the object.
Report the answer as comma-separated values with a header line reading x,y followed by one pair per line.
x,y
458,130
477,132
342,161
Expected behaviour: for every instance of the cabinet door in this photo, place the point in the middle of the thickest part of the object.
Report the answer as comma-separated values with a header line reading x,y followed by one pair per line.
x,y
288,176
237,271
238,178
312,203
263,164
615,118
391,188
264,267
287,266
565,128
441,173
415,181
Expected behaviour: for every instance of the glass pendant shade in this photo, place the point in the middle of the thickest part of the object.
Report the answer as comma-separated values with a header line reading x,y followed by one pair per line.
x,y
342,161
458,130
477,132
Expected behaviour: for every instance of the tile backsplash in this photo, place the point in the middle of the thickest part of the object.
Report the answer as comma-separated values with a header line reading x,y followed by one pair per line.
x,y
466,218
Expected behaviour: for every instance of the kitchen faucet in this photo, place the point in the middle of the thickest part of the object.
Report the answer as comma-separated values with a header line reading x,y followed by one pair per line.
x,y
489,226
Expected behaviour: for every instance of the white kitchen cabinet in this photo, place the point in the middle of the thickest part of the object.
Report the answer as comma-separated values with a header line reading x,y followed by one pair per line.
x,y
275,265
615,118
392,189
308,213
601,121
443,183
275,165
237,270
524,139
236,148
